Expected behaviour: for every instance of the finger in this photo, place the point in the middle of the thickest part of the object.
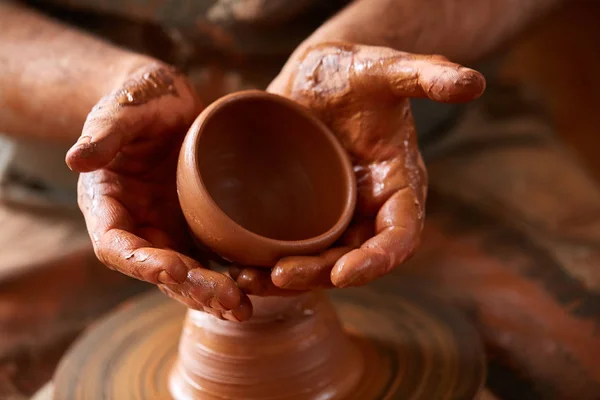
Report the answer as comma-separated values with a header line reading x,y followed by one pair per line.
x,y
136,257
104,133
307,272
110,226
398,225
240,312
257,282
133,256
378,181
435,78
156,99
217,291
183,299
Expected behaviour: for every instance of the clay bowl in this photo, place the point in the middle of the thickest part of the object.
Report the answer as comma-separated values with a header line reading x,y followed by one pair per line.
x,y
260,178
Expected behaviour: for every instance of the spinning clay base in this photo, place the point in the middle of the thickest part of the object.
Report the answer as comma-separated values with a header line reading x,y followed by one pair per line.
x,y
407,346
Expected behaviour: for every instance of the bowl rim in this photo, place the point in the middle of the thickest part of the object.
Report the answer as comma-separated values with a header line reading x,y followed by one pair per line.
x,y
345,217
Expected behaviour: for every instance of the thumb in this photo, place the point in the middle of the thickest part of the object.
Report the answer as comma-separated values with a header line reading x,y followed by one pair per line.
x,y
101,139
154,100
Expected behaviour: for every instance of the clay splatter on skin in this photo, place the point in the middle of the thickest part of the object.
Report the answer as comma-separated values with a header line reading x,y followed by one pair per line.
x,y
151,85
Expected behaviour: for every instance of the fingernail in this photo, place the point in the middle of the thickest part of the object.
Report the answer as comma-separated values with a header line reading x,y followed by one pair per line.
x,y
359,267
83,141
350,270
280,278
215,304
85,150
164,277
350,281
342,278
243,311
234,272
179,272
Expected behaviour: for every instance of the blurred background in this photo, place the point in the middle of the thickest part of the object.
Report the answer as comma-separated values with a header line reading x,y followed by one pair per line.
x,y
51,286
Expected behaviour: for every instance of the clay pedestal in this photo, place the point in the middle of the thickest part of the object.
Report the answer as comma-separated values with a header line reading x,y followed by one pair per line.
x,y
394,343
292,348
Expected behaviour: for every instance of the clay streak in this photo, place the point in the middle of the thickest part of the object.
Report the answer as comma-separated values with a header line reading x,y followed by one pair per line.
x,y
152,85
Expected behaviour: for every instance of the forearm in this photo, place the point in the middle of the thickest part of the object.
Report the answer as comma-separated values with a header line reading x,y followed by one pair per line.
x,y
52,75
462,30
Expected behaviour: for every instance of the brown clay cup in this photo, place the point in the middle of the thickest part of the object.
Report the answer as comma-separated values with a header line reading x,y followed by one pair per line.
x,y
260,178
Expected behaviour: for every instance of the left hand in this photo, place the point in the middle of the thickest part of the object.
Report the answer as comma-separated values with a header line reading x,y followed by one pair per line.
x,y
127,160
362,93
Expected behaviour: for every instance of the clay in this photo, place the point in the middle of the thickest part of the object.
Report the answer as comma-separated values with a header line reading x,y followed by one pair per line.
x,y
292,348
152,84
259,178
393,343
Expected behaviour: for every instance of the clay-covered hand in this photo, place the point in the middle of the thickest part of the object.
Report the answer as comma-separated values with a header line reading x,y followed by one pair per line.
x,y
127,157
362,93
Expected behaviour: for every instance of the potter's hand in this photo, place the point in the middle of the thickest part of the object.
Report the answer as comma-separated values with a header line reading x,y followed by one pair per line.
x,y
127,157
362,93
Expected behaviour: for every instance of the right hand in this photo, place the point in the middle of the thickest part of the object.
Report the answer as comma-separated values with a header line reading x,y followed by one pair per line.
x,y
127,156
362,93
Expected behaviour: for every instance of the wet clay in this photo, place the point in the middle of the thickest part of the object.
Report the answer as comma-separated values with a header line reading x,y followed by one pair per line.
x,y
292,348
259,178
154,83
394,342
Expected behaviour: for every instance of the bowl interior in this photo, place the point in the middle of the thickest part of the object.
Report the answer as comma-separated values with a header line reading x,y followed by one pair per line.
x,y
272,169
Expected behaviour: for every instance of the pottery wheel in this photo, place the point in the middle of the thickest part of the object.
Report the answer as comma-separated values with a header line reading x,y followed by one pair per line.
x,y
415,347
